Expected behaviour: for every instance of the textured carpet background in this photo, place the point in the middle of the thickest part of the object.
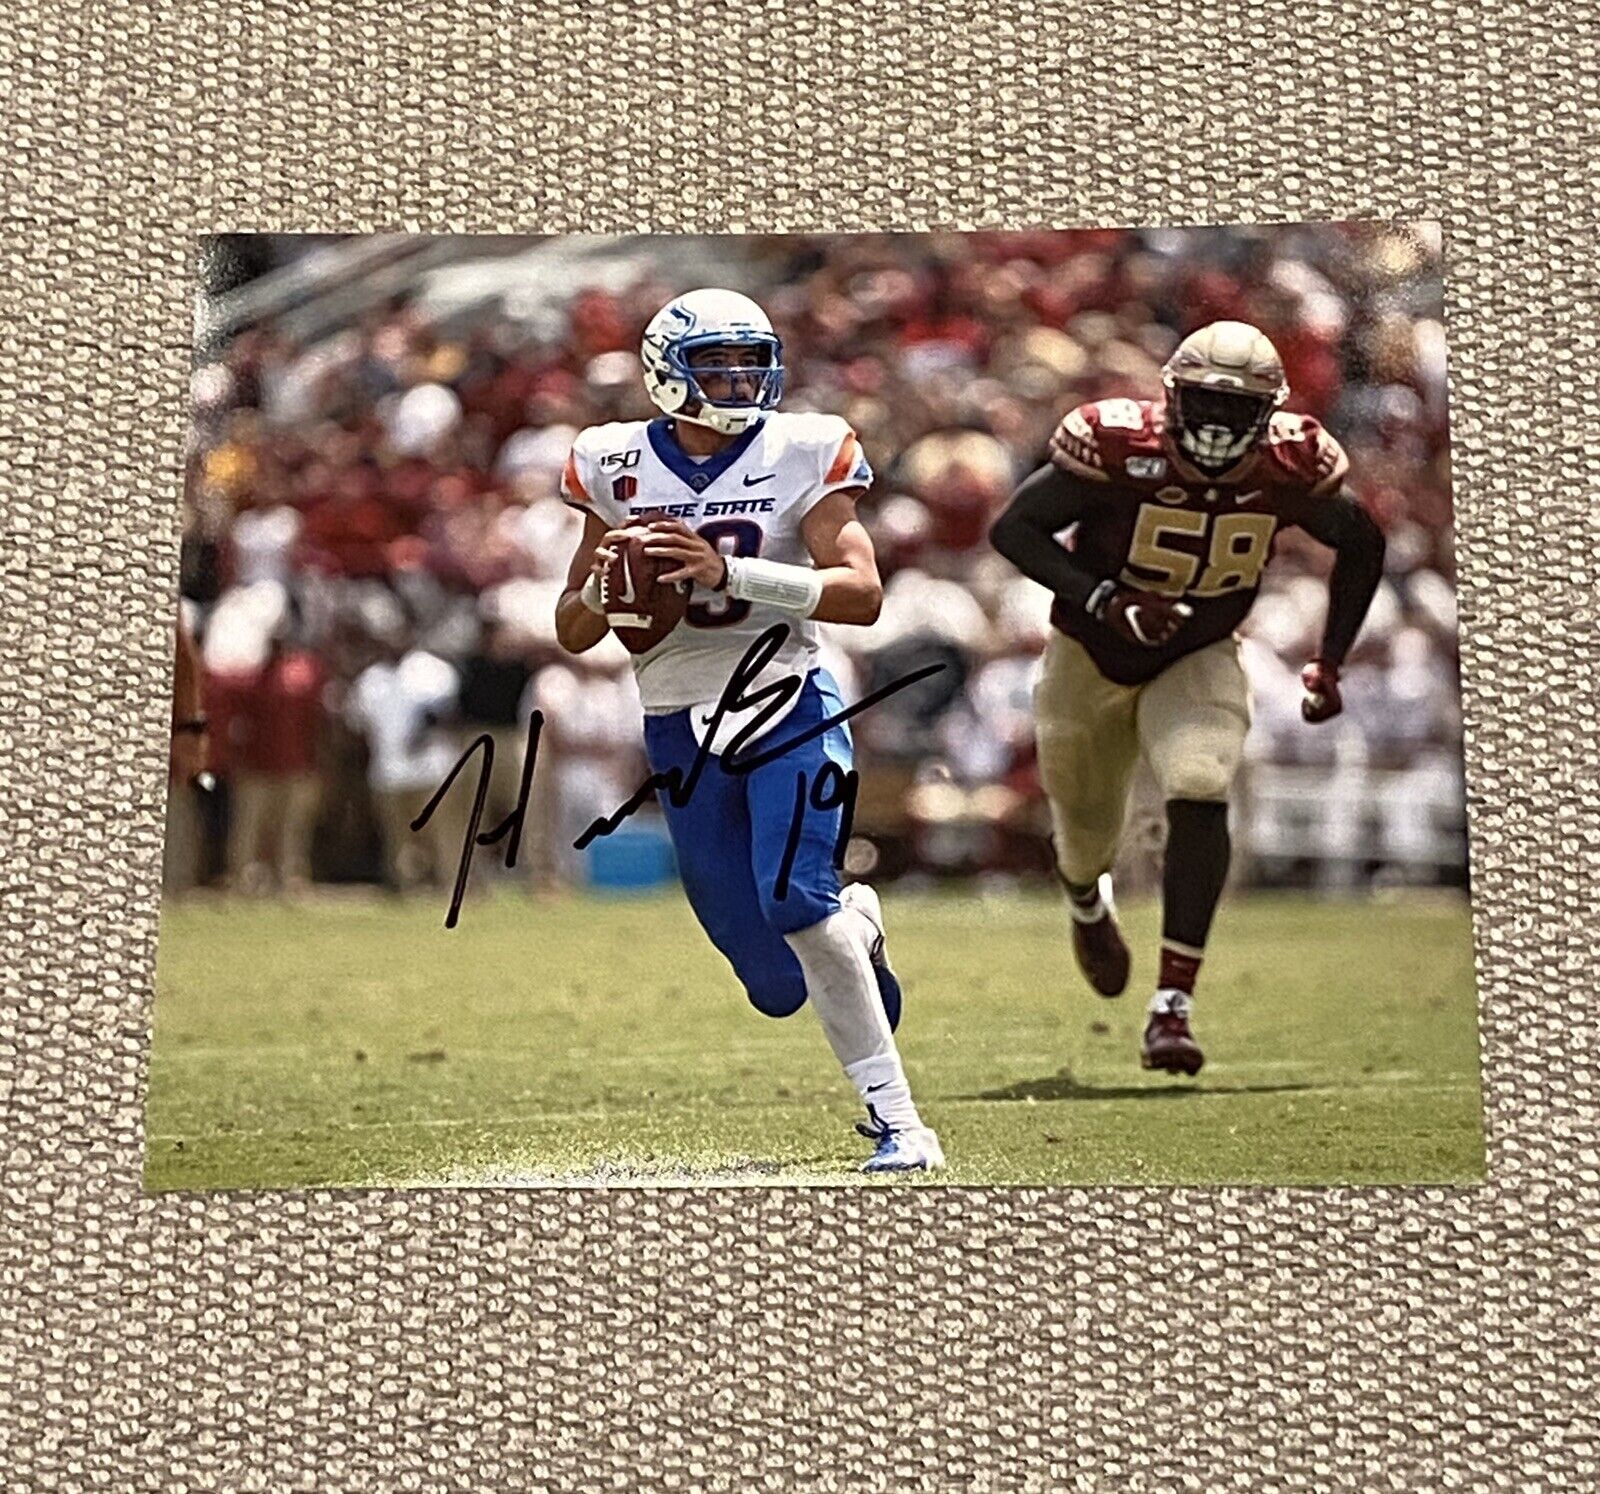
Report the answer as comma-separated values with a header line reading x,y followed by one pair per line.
x,y
1409,1340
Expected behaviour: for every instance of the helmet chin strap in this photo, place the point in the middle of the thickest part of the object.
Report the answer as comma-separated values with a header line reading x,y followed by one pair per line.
x,y
749,414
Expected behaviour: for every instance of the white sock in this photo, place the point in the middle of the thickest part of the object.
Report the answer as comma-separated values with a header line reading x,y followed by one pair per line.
x,y
1170,1001
1086,913
885,1090
833,955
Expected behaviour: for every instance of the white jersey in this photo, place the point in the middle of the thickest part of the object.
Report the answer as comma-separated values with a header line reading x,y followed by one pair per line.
x,y
748,499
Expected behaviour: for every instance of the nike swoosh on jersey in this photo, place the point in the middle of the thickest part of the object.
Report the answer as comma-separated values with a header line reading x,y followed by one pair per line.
x,y
750,482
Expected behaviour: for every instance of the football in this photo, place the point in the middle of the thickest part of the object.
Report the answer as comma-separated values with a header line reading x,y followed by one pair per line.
x,y
639,607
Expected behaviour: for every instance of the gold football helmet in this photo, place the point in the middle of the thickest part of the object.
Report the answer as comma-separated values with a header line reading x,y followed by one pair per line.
x,y
1223,384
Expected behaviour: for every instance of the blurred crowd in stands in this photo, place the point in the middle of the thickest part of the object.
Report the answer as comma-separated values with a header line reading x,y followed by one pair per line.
x,y
373,546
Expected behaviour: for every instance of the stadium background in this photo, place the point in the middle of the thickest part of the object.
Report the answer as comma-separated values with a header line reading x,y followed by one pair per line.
x,y
373,543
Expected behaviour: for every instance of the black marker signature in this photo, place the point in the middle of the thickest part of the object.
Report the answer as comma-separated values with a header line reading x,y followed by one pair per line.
x,y
834,787
510,826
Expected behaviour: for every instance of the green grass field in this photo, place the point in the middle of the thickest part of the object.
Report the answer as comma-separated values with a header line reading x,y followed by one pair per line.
x,y
358,1043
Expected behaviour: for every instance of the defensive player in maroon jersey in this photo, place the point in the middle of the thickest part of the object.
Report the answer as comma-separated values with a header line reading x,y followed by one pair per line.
x,y
1172,508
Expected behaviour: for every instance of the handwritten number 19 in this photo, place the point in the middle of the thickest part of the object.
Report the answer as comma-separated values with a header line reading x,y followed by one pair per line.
x,y
833,788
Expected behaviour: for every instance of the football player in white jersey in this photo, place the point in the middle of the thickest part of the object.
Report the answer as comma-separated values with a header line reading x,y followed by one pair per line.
x,y
758,511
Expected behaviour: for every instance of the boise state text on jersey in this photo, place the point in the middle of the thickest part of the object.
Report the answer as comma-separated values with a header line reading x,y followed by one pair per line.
x,y
748,499
1166,527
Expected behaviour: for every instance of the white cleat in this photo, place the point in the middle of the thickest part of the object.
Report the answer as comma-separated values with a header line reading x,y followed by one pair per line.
x,y
914,1149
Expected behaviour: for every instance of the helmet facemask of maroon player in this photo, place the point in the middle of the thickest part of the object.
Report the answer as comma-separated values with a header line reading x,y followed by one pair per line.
x,y
1223,385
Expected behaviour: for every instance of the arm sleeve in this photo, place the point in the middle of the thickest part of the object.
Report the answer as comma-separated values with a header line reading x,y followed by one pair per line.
x,y
1340,522
1048,501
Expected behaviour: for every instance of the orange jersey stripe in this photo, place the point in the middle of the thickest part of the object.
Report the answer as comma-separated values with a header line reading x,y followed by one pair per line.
x,y
845,462
572,482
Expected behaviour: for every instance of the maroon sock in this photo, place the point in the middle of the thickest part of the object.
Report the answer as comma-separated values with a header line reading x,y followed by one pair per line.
x,y
1179,969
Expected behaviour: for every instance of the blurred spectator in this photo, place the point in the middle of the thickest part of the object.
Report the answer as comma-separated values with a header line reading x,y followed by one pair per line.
x,y
190,757
495,676
591,751
404,703
421,418
276,745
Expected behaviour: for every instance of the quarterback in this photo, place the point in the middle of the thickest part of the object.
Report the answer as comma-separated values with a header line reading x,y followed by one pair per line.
x,y
756,511
1171,509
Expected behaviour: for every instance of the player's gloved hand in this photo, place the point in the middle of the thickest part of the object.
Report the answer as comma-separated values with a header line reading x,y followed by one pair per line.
x,y
1322,701
698,560
1142,617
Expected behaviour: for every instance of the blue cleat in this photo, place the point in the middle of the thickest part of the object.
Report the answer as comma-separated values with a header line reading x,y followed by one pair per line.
x,y
911,1149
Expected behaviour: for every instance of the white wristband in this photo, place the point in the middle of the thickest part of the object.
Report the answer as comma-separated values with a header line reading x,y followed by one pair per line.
x,y
589,594
793,588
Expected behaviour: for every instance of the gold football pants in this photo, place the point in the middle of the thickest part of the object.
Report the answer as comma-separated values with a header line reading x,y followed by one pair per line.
x,y
1190,723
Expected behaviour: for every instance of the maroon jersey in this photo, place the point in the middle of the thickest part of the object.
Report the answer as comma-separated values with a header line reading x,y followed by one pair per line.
x,y
1166,527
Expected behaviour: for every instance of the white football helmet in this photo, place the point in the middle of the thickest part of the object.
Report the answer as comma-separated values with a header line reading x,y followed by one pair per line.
x,y
1223,384
707,319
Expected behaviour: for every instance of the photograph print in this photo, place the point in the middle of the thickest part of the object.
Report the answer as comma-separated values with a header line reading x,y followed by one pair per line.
x,y
817,710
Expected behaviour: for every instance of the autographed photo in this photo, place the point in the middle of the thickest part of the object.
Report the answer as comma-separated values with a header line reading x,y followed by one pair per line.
x,y
826,709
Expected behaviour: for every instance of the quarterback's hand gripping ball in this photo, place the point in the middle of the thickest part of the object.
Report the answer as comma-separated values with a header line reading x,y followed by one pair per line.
x,y
1322,701
640,608
1143,617
695,559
